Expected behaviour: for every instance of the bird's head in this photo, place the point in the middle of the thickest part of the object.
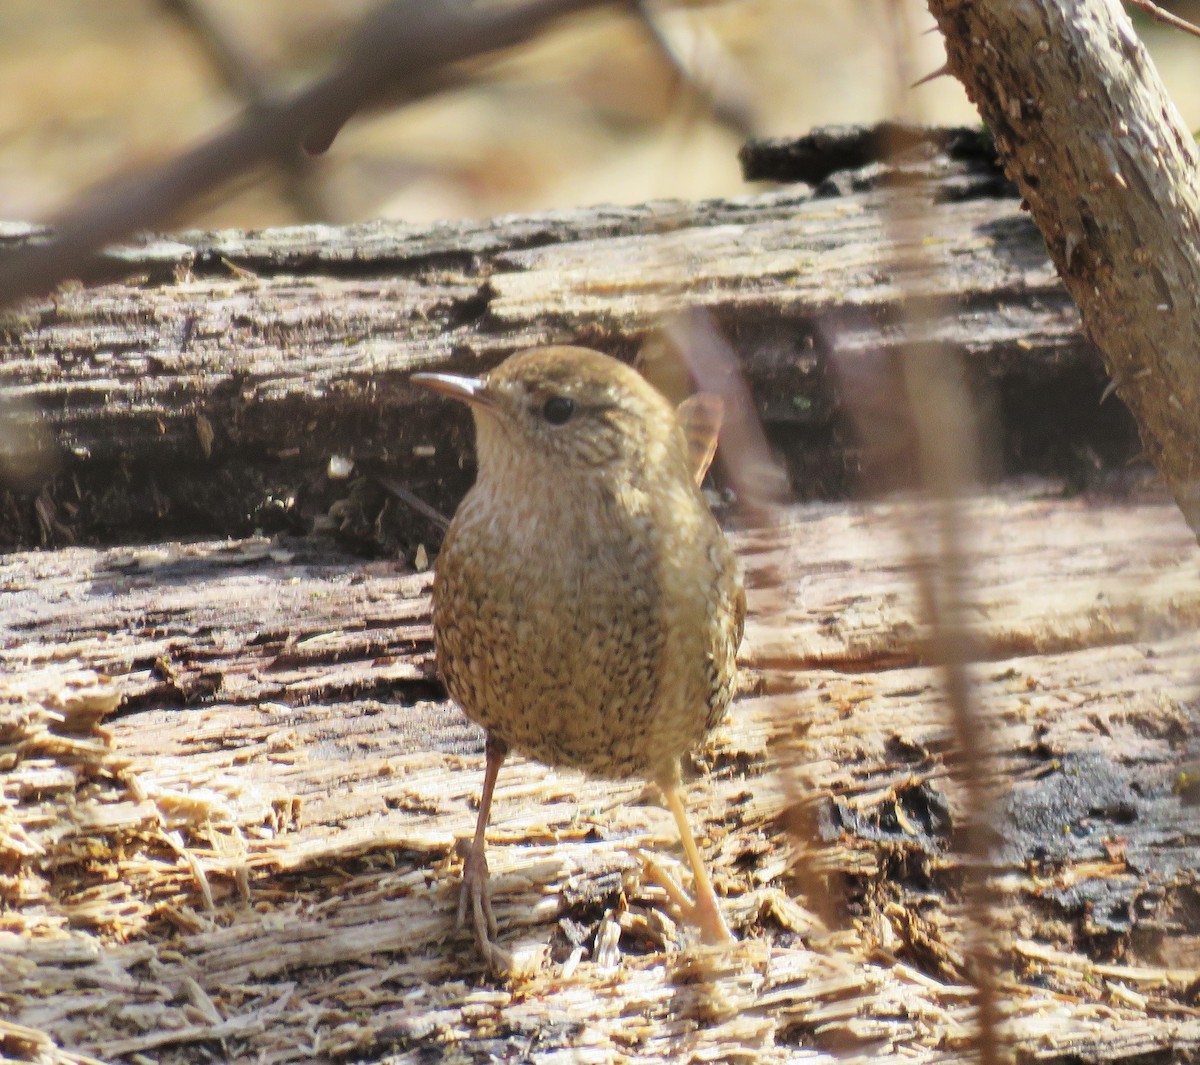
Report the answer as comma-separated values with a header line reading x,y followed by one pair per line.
x,y
561,409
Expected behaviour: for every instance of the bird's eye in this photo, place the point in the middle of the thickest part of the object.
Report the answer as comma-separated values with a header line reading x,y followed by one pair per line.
x,y
558,409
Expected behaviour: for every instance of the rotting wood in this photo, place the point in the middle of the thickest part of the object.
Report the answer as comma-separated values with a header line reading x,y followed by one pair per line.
x,y
206,391
256,852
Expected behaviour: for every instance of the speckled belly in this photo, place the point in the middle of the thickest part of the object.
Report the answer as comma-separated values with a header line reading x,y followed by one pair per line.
x,y
603,658
564,670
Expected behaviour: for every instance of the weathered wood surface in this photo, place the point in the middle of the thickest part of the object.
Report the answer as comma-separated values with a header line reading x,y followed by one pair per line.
x,y
254,857
218,374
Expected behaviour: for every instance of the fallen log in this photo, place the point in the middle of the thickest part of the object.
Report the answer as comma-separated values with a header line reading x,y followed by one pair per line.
x,y
206,386
256,852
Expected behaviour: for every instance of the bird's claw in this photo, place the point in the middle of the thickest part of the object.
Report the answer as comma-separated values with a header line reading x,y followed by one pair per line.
x,y
703,912
476,896
475,900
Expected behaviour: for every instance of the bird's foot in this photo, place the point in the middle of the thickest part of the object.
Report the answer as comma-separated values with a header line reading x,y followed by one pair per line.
x,y
475,903
703,912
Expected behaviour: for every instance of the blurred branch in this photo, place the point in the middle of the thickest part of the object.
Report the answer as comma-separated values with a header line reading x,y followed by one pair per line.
x,y
743,454
761,489
237,67
944,427
245,78
1111,175
944,423
704,67
398,52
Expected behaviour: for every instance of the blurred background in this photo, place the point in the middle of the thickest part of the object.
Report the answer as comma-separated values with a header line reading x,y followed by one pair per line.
x,y
588,114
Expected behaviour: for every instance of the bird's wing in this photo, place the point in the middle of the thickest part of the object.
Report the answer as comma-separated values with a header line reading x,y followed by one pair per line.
x,y
700,416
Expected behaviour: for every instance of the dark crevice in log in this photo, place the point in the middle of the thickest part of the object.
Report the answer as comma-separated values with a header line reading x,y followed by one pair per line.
x,y
819,155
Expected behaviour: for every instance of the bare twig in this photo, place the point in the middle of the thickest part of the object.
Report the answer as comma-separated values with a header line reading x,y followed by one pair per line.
x,y
941,72
236,66
411,499
399,50
1165,17
943,419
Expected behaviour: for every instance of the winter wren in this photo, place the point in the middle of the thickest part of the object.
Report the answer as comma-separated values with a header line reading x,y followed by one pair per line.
x,y
587,608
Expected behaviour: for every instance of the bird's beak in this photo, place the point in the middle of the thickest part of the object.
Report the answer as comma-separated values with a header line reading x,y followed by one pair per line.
x,y
470,390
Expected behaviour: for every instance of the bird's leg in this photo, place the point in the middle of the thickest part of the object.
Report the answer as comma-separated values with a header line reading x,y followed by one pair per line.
x,y
475,895
704,912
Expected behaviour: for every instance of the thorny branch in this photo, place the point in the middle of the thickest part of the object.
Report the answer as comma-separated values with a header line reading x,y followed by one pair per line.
x,y
398,52
1111,177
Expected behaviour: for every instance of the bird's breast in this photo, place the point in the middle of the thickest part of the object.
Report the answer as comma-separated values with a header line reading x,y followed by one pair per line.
x,y
570,625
